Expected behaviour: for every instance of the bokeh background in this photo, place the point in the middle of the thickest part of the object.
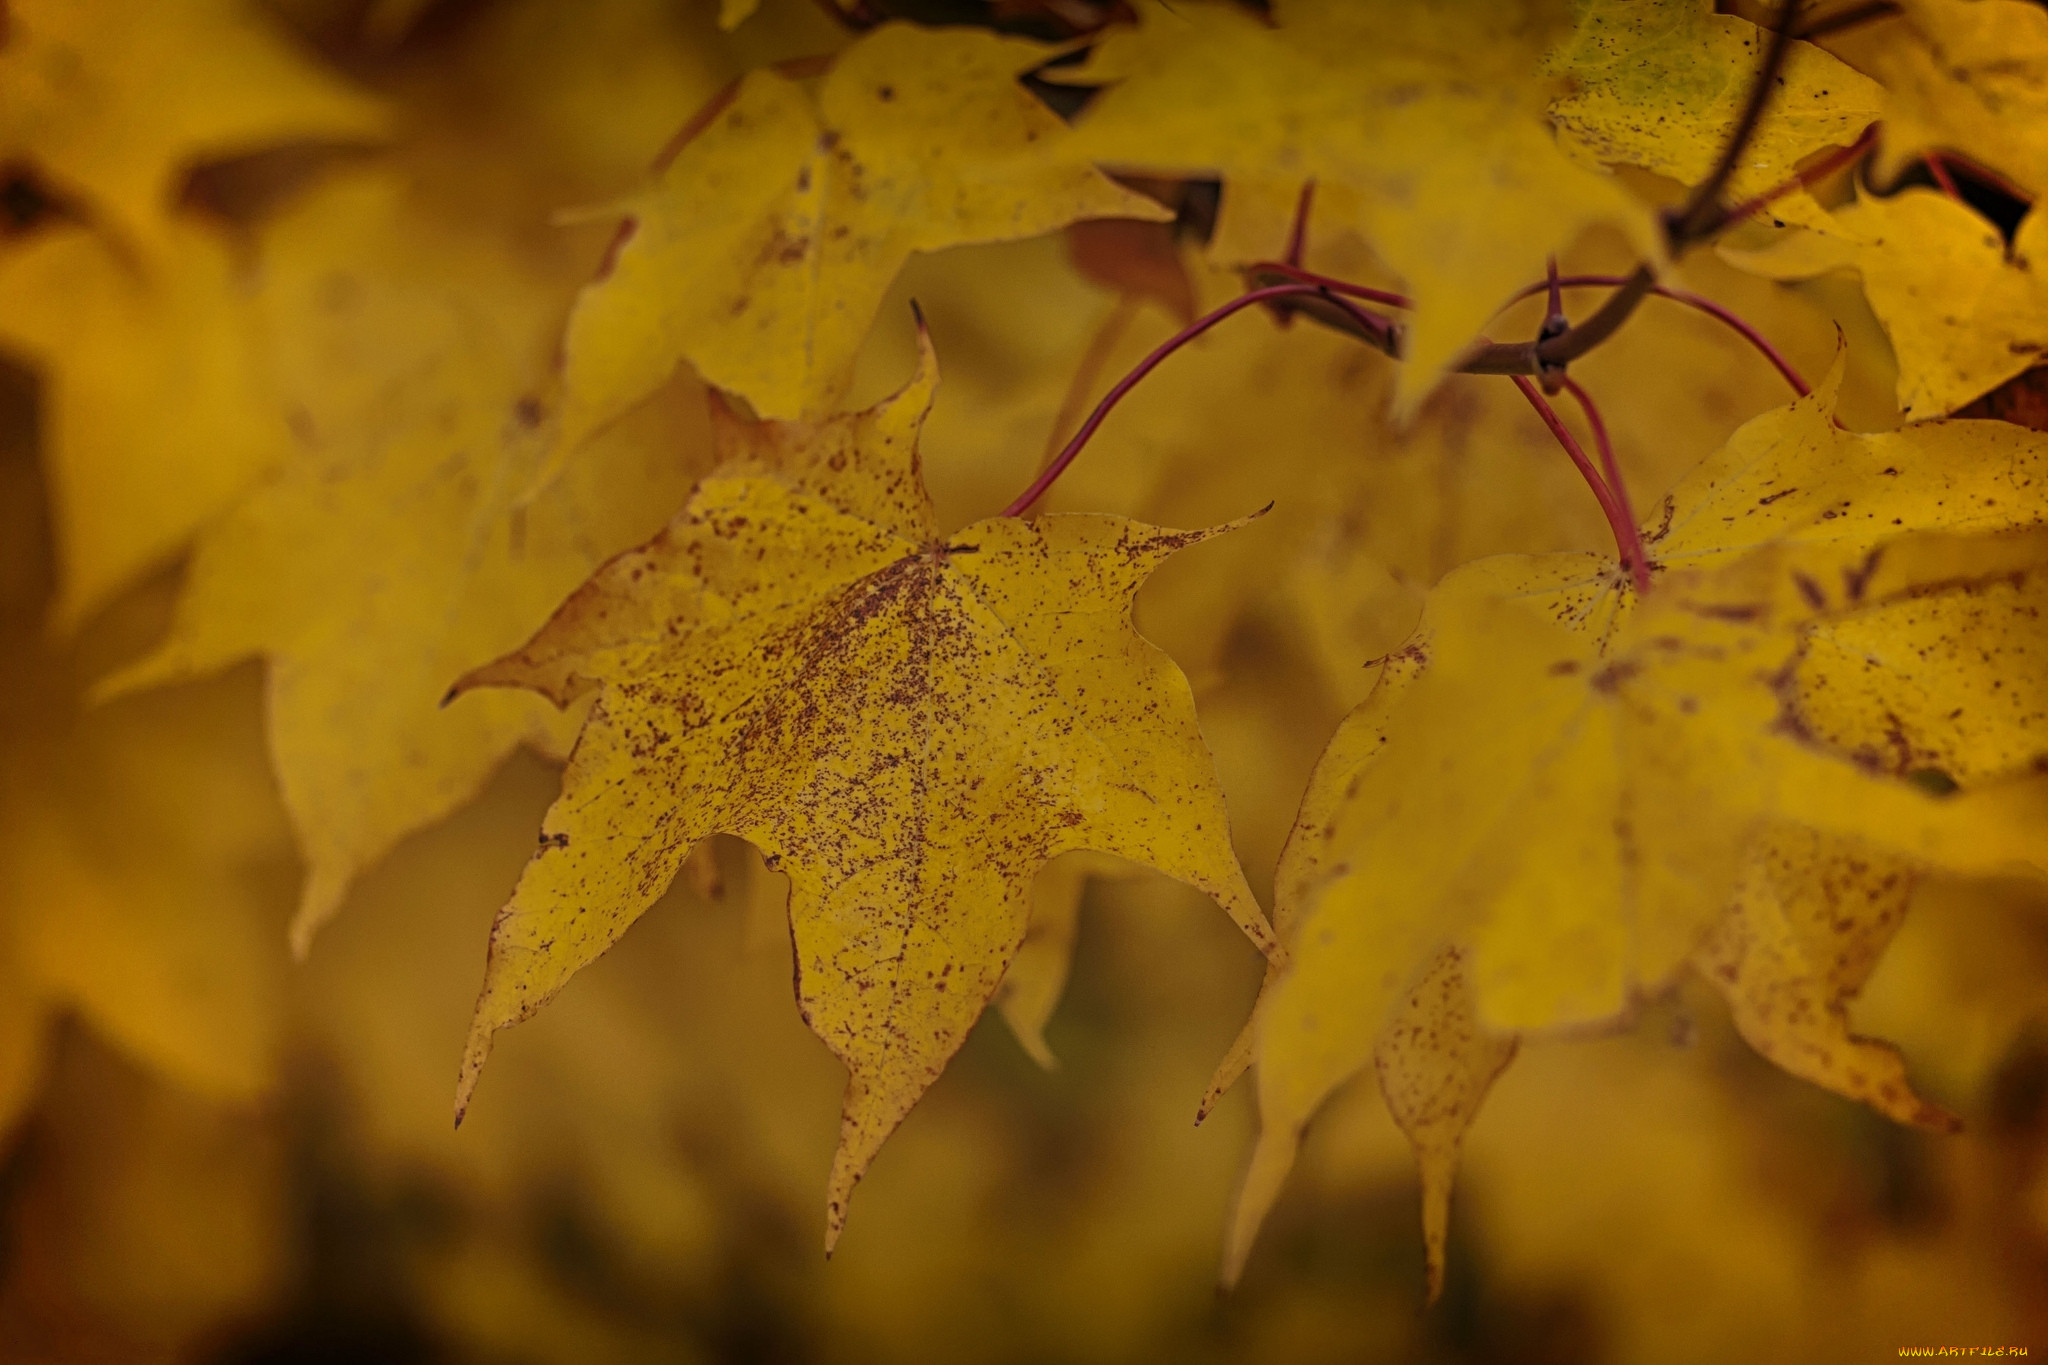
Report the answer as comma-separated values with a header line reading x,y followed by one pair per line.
x,y
209,1153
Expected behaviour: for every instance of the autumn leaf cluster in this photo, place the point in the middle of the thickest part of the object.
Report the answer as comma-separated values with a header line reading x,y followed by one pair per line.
x,y
1593,568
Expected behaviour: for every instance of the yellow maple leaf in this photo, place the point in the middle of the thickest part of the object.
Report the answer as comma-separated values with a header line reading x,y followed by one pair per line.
x,y
391,552
1650,740
1960,75
1435,1064
1809,918
158,414
762,252
1951,684
1660,83
115,100
1963,312
908,725
1422,127
1037,973
138,849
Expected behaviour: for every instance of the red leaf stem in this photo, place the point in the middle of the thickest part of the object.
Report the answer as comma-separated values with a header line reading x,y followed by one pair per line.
x,y
1938,168
1331,283
1826,166
1627,540
1073,447
1610,467
1347,289
1700,302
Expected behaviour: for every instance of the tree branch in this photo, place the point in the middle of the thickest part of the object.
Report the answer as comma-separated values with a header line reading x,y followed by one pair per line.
x,y
1697,219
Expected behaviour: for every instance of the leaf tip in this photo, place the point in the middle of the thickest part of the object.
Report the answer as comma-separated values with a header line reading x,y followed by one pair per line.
x,y
1936,1119
319,899
474,1054
1272,1159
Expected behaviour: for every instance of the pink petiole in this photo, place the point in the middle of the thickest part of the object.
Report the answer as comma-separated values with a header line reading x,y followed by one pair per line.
x,y
1938,168
1346,289
1826,166
1627,539
1605,482
1690,300
1073,447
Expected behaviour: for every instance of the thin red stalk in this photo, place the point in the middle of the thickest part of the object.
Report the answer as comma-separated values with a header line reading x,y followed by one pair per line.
x,y
1297,236
1705,305
1609,466
1331,283
1371,322
1979,171
1627,540
1073,447
1937,168
1690,300
1826,166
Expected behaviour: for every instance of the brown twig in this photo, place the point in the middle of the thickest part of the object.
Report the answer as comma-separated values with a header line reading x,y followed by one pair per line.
x,y
1698,217
1297,235
1700,303
1331,301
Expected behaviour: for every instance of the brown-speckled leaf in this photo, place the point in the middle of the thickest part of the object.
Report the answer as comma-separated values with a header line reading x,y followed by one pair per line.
x,y
1810,917
1435,1065
907,724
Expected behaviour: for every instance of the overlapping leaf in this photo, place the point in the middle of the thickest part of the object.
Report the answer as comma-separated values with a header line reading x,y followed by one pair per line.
x,y
909,725
1967,76
128,308
115,102
1423,129
391,552
762,252
1809,917
1964,312
1651,742
1660,83
157,411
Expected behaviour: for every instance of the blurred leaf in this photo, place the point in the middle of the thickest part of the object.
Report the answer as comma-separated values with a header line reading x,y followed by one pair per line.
x,y
392,552
1962,75
1660,83
824,195
114,102
1653,740
1422,129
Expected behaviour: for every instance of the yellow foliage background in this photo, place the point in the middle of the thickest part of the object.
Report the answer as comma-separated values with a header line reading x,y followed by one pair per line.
x,y
209,1152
